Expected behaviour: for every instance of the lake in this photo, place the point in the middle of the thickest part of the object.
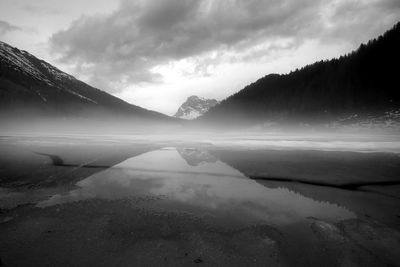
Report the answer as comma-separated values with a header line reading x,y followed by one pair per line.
x,y
124,201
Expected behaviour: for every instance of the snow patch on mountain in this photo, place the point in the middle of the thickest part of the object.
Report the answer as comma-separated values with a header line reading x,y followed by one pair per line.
x,y
389,120
17,59
194,107
81,96
56,73
27,64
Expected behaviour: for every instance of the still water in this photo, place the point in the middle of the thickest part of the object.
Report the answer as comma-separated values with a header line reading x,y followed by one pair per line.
x,y
199,180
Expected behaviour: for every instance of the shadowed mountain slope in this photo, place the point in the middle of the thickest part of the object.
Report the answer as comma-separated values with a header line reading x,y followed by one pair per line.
x,y
28,84
364,82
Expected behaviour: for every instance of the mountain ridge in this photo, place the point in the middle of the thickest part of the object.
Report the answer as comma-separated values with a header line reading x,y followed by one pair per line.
x,y
363,81
29,83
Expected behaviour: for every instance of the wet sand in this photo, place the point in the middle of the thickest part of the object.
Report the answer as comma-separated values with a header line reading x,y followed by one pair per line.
x,y
74,202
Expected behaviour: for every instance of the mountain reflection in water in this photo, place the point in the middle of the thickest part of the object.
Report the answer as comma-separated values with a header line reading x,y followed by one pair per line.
x,y
182,177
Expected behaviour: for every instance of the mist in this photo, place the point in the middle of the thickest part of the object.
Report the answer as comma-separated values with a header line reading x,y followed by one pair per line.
x,y
295,163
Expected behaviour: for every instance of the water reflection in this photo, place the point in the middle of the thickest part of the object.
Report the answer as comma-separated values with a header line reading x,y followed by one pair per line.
x,y
195,157
196,179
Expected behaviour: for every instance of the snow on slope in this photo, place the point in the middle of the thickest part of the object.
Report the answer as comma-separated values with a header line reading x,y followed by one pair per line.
x,y
389,120
16,58
24,63
194,107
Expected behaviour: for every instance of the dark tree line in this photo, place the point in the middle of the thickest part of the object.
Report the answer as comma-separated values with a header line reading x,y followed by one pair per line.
x,y
364,81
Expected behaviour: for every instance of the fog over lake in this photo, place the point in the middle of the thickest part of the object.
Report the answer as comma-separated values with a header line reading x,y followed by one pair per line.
x,y
200,133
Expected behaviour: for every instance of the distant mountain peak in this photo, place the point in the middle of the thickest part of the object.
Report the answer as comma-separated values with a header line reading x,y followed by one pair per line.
x,y
194,106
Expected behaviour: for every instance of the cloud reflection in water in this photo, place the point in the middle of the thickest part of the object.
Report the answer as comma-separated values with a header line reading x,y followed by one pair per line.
x,y
208,184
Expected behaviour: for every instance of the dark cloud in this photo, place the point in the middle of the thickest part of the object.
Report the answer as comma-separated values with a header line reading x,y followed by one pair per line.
x,y
358,21
123,47
7,27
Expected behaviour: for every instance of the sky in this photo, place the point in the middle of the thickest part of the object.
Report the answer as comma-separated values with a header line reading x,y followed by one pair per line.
x,y
156,53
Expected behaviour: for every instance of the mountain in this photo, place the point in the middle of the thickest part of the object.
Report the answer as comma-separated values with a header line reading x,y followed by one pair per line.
x,y
194,107
363,83
29,85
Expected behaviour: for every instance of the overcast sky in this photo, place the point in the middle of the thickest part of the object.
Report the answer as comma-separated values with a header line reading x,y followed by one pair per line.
x,y
156,53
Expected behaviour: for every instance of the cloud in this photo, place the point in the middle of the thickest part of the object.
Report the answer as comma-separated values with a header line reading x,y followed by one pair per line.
x,y
125,46
6,27
358,21
43,10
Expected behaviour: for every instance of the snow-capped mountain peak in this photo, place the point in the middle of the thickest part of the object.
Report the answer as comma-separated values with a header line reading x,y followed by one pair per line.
x,y
194,107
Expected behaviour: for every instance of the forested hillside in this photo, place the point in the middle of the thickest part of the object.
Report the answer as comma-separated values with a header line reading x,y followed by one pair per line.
x,y
365,81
